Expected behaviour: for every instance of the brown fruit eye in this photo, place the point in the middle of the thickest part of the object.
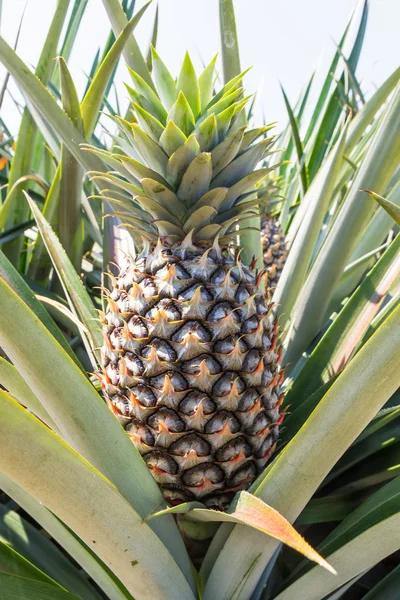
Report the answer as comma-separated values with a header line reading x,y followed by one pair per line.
x,y
167,418
193,400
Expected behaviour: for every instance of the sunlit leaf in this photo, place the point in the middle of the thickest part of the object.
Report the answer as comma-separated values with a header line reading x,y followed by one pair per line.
x,y
392,209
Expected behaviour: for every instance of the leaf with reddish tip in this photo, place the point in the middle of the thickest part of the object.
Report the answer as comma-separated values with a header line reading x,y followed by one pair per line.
x,y
390,207
253,512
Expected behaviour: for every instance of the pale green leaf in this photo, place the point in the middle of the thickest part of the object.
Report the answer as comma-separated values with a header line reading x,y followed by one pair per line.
x,y
229,40
93,99
11,276
132,54
61,534
79,300
11,379
206,82
378,166
340,340
187,84
316,201
165,83
392,209
114,531
82,416
182,115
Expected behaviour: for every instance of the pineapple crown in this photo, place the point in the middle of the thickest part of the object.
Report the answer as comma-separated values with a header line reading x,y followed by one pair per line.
x,y
185,163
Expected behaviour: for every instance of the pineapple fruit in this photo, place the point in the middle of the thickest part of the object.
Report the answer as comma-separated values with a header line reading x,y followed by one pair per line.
x,y
274,249
190,355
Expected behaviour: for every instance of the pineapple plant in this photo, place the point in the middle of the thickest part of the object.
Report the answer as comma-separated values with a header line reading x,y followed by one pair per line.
x,y
191,354
274,248
112,496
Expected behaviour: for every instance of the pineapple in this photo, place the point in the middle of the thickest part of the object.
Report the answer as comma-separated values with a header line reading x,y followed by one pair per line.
x,y
274,248
190,355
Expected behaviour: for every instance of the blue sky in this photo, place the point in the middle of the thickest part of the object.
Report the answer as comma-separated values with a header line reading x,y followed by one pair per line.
x,y
283,41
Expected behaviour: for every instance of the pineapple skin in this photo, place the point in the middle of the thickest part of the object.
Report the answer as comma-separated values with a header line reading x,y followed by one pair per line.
x,y
274,249
191,369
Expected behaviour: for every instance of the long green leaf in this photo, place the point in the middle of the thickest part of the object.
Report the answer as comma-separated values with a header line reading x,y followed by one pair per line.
x,y
334,106
24,151
89,504
17,387
301,159
293,477
376,509
79,300
328,84
366,449
68,541
387,588
70,219
133,56
392,209
48,108
25,539
357,556
14,587
301,251
107,523
381,161
380,468
357,128
337,345
16,564
11,276
229,40
94,96
369,110
70,35
80,413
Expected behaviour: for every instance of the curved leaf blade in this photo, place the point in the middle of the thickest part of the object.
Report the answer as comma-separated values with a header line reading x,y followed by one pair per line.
x,y
10,275
93,99
392,209
14,563
114,531
78,298
22,588
81,414
11,379
378,166
69,542
355,557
